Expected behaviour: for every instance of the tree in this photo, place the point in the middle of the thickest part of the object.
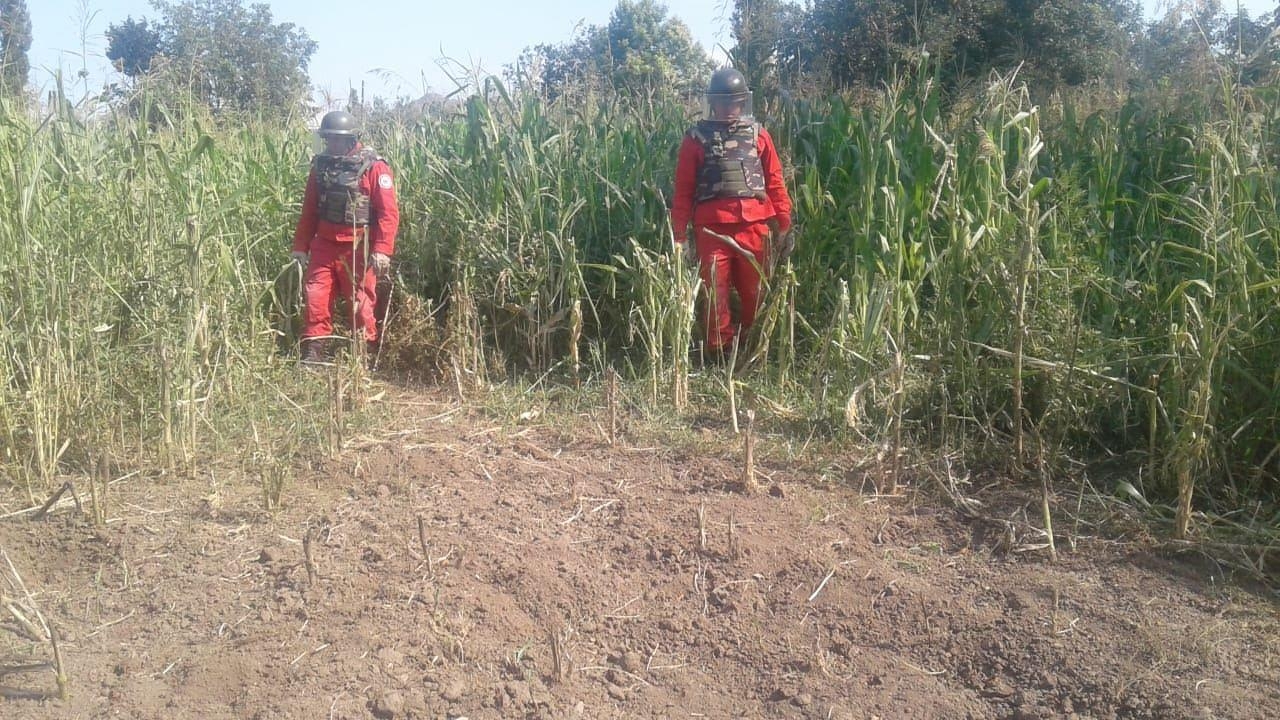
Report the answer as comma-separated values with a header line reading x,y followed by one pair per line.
x,y
132,45
1254,46
231,57
1064,42
15,41
1192,46
1053,41
645,51
766,48
553,69
641,51
858,42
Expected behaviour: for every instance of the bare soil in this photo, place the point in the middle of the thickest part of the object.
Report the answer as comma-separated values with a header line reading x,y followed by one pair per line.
x,y
559,576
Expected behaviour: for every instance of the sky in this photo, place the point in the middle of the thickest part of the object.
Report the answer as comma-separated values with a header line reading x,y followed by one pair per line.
x,y
393,48
396,48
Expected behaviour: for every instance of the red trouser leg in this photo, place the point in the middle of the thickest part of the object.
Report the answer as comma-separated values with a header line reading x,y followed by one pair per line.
x,y
357,283
329,277
365,319
715,266
746,273
318,287
724,267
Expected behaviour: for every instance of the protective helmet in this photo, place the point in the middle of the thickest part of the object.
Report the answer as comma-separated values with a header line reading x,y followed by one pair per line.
x,y
727,83
337,124
728,96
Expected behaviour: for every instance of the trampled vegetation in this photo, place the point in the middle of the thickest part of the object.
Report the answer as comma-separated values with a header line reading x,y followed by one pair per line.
x,y
1080,292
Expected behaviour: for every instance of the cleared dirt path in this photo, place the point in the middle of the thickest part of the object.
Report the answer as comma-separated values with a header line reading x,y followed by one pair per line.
x,y
563,578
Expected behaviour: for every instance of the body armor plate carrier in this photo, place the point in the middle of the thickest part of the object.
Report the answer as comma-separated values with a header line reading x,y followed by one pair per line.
x,y
338,185
731,167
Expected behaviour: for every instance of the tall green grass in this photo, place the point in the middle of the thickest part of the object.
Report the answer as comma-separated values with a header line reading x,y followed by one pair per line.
x,y
138,263
969,271
979,273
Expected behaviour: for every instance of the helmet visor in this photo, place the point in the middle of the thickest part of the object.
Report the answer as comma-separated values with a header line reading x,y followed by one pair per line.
x,y
335,144
733,106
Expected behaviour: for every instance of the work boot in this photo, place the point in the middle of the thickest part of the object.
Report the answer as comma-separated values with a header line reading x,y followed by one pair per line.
x,y
313,351
715,357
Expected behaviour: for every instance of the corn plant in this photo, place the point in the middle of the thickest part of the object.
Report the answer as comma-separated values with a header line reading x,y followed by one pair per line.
x,y
971,271
137,256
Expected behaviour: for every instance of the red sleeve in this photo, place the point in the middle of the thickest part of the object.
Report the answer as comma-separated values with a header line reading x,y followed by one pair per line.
x,y
384,208
306,229
687,163
774,184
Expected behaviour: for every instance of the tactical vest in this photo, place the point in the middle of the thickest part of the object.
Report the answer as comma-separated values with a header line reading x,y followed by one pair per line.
x,y
731,167
338,183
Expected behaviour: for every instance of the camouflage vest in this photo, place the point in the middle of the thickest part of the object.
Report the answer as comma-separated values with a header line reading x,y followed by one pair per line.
x,y
338,185
731,167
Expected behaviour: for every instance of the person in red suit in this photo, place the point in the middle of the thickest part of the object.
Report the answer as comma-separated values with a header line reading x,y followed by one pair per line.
x,y
346,234
729,187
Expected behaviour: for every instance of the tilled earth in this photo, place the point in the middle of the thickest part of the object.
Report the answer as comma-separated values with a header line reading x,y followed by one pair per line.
x,y
465,567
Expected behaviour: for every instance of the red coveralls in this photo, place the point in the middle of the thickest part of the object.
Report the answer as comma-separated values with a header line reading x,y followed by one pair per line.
x,y
743,219
337,253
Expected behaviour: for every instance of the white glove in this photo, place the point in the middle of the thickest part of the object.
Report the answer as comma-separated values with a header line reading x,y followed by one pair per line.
x,y
300,257
381,264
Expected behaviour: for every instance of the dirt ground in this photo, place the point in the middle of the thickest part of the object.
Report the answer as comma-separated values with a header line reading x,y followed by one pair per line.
x,y
467,567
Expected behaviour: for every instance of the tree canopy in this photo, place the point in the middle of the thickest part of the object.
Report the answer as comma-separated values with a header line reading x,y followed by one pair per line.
x,y
767,45
858,42
133,45
232,57
830,44
641,51
1185,47
15,41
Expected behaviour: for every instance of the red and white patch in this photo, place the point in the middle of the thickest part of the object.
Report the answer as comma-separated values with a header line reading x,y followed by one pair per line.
x,y
384,182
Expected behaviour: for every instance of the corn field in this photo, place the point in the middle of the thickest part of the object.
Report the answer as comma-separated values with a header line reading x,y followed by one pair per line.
x,y
1029,285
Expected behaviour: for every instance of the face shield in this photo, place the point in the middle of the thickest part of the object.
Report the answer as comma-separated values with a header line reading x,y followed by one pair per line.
x,y
335,145
727,108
